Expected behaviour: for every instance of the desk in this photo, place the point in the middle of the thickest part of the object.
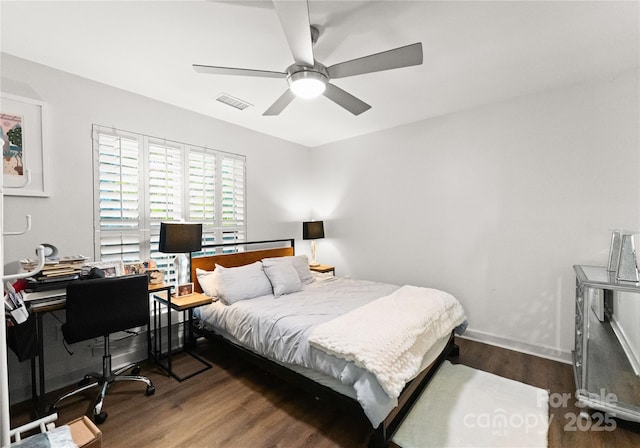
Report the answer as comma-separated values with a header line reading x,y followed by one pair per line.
x,y
184,304
39,310
37,393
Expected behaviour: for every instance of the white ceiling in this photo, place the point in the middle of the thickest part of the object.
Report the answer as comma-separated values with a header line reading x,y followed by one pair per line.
x,y
475,53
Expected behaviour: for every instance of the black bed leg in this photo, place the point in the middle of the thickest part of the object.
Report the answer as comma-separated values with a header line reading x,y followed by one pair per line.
x,y
455,351
378,439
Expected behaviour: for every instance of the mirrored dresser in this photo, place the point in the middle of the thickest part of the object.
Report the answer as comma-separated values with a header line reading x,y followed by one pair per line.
x,y
606,359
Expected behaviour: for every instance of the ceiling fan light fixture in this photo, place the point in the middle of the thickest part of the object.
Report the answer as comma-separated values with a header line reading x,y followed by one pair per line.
x,y
307,84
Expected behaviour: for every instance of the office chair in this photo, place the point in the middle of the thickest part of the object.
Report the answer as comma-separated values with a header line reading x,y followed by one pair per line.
x,y
100,307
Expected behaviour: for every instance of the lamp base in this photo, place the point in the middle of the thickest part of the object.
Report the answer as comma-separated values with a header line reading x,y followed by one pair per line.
x,y
313,261
181,263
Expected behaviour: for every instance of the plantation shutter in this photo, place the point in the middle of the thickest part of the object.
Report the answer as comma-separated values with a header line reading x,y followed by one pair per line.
x,y
202,192
118,195
141,181
231,219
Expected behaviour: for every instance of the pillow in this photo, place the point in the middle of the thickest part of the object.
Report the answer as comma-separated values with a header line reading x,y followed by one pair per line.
x,y
283,277
208,281
242,283
300,263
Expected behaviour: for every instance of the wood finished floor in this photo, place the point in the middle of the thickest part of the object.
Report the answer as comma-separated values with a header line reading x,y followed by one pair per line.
x,y
237,405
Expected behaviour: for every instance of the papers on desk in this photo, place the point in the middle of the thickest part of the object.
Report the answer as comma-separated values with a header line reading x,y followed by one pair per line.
x,y
41,299
41,295
43,303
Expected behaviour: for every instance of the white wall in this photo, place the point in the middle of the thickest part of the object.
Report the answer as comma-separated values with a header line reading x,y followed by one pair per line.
x,y
277,173
493,204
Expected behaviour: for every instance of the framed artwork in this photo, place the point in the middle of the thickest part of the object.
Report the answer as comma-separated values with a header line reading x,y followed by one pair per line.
x,y
110,268
22,137
185,289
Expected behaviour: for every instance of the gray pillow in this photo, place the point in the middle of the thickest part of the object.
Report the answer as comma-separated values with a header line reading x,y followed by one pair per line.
x,y
283,277
300,263
242,283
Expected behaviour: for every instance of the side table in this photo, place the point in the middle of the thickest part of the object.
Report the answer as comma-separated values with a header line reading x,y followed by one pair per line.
x,y
323,268
183,304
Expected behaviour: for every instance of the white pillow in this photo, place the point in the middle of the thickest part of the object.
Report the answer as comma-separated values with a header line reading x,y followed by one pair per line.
x,y
300,263
283,277
208,281
242,283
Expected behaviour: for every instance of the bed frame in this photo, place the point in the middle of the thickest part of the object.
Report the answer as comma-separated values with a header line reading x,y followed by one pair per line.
x,y
381,435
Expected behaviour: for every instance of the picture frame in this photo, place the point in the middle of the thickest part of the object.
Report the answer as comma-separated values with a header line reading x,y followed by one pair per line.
x,y
135,268
110,268
184,290
24,157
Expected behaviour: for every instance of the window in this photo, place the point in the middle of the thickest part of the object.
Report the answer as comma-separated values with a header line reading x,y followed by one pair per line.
x,y
141,181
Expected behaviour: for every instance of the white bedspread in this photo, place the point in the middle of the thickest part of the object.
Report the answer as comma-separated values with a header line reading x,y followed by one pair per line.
x,y
390,335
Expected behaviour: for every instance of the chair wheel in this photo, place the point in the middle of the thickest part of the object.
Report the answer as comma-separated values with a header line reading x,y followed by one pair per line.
x,y
151,390
100,418
84,381
135,371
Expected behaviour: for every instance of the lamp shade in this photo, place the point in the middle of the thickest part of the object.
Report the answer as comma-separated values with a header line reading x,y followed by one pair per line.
x,y
312,230
180,237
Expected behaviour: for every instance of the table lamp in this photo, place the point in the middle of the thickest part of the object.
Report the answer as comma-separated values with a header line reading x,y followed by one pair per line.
x,y
313,230
180,239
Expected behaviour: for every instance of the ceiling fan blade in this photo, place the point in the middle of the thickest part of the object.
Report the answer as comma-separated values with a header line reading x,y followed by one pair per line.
x,y
386,60
212,70
346,100
294,18
280,103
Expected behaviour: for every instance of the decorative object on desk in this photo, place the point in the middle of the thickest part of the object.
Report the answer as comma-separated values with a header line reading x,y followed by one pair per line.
x,y
156,277
110,268
134,268
185,289
22,137
313,230
180,238
50,251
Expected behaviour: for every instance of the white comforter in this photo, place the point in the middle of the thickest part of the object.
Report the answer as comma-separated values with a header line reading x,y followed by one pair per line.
x,y
390,336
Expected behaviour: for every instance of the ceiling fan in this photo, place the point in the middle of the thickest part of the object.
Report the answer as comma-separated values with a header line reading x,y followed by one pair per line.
x,y
309,78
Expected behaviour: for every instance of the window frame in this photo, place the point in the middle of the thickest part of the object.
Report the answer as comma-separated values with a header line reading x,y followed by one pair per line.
x,y
147,229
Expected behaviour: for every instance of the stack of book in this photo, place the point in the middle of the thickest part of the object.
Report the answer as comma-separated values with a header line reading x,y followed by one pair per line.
x,y
56,272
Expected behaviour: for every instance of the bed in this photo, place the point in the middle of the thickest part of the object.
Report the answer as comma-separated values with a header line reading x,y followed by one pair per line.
x,y
300,326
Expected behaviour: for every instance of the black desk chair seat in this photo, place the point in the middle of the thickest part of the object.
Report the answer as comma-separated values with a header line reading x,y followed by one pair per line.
x,y
100,307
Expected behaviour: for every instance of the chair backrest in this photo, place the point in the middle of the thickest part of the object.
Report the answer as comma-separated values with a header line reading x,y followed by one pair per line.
x,y
103,306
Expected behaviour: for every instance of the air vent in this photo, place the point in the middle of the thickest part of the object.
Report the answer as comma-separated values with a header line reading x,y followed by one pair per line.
x,y
232,101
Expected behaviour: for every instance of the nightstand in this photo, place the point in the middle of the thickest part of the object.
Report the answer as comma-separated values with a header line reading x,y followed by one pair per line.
x,y
324,268
184,304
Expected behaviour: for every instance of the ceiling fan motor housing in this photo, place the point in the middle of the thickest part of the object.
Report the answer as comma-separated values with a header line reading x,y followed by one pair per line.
x,y
307,82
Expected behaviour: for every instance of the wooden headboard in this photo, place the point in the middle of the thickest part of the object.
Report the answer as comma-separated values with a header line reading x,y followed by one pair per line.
x,y
235,259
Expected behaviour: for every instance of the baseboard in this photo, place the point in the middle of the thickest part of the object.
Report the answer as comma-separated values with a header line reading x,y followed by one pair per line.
x,y
518,346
